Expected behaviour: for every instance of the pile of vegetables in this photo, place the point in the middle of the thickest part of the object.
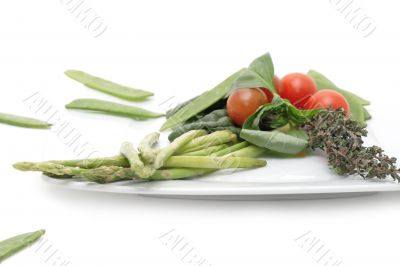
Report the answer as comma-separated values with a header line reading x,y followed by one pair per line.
x,y
193,153
286,116
250,113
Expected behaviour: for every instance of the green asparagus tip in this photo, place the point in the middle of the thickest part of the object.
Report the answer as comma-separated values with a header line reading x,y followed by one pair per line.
x,y
24,166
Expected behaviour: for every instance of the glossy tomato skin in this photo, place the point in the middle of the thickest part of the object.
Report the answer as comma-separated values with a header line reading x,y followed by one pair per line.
x,y
297,88
268,93
327,99
244,102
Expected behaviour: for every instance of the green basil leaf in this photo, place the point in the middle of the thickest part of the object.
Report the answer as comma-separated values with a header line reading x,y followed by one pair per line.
x,y
289,143
260,73
277,114
202,102
356,103
367,115
324,83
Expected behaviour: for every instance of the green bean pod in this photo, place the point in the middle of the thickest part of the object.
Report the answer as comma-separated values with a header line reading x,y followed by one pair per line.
x,y
12,245
112,108
107,86
21,121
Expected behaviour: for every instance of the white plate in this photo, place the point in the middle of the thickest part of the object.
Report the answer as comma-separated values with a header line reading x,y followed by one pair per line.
x,y
295,178
308,177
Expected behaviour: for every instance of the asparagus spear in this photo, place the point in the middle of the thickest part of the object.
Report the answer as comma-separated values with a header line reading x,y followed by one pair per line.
x,y
117,160
178,143
213,162
147,153
136,164
231,149
250,151
194,165
207,151
215,138
179,173
121,161
105,175
102,174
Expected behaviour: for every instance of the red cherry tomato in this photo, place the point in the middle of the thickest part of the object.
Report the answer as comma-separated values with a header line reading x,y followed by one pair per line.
x,y
244,102
327,99
268,93
297,88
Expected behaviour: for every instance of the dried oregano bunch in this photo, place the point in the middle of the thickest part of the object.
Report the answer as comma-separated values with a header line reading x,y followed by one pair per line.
x,y
341,139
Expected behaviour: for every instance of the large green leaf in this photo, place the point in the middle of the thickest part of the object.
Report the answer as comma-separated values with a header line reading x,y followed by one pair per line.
x,y
260,73
291,142
201,102
356,103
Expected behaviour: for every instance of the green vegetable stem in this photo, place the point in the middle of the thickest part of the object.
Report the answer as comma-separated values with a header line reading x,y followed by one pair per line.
x,y
147,153
249,151
213,162
177,144
112,108
12,245
108,87
207,151
136,164
231,149
107,174
215,138
117,168
21,121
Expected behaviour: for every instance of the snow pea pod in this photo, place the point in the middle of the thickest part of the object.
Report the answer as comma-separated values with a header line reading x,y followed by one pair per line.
x,y
201,102
12,245
21,121
107,86
112,108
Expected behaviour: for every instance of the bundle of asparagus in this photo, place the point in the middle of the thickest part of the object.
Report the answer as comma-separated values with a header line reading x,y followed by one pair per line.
x,y
192,154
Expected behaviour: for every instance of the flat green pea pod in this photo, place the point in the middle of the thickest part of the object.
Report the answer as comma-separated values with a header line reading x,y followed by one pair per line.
x,y
12,245
108,87
21,121
201,102
112,108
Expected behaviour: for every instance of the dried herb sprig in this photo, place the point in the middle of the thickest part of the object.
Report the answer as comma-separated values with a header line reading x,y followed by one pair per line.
x,y
340,138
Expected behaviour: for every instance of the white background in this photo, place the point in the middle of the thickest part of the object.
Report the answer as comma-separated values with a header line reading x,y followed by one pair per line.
x,y
181,48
